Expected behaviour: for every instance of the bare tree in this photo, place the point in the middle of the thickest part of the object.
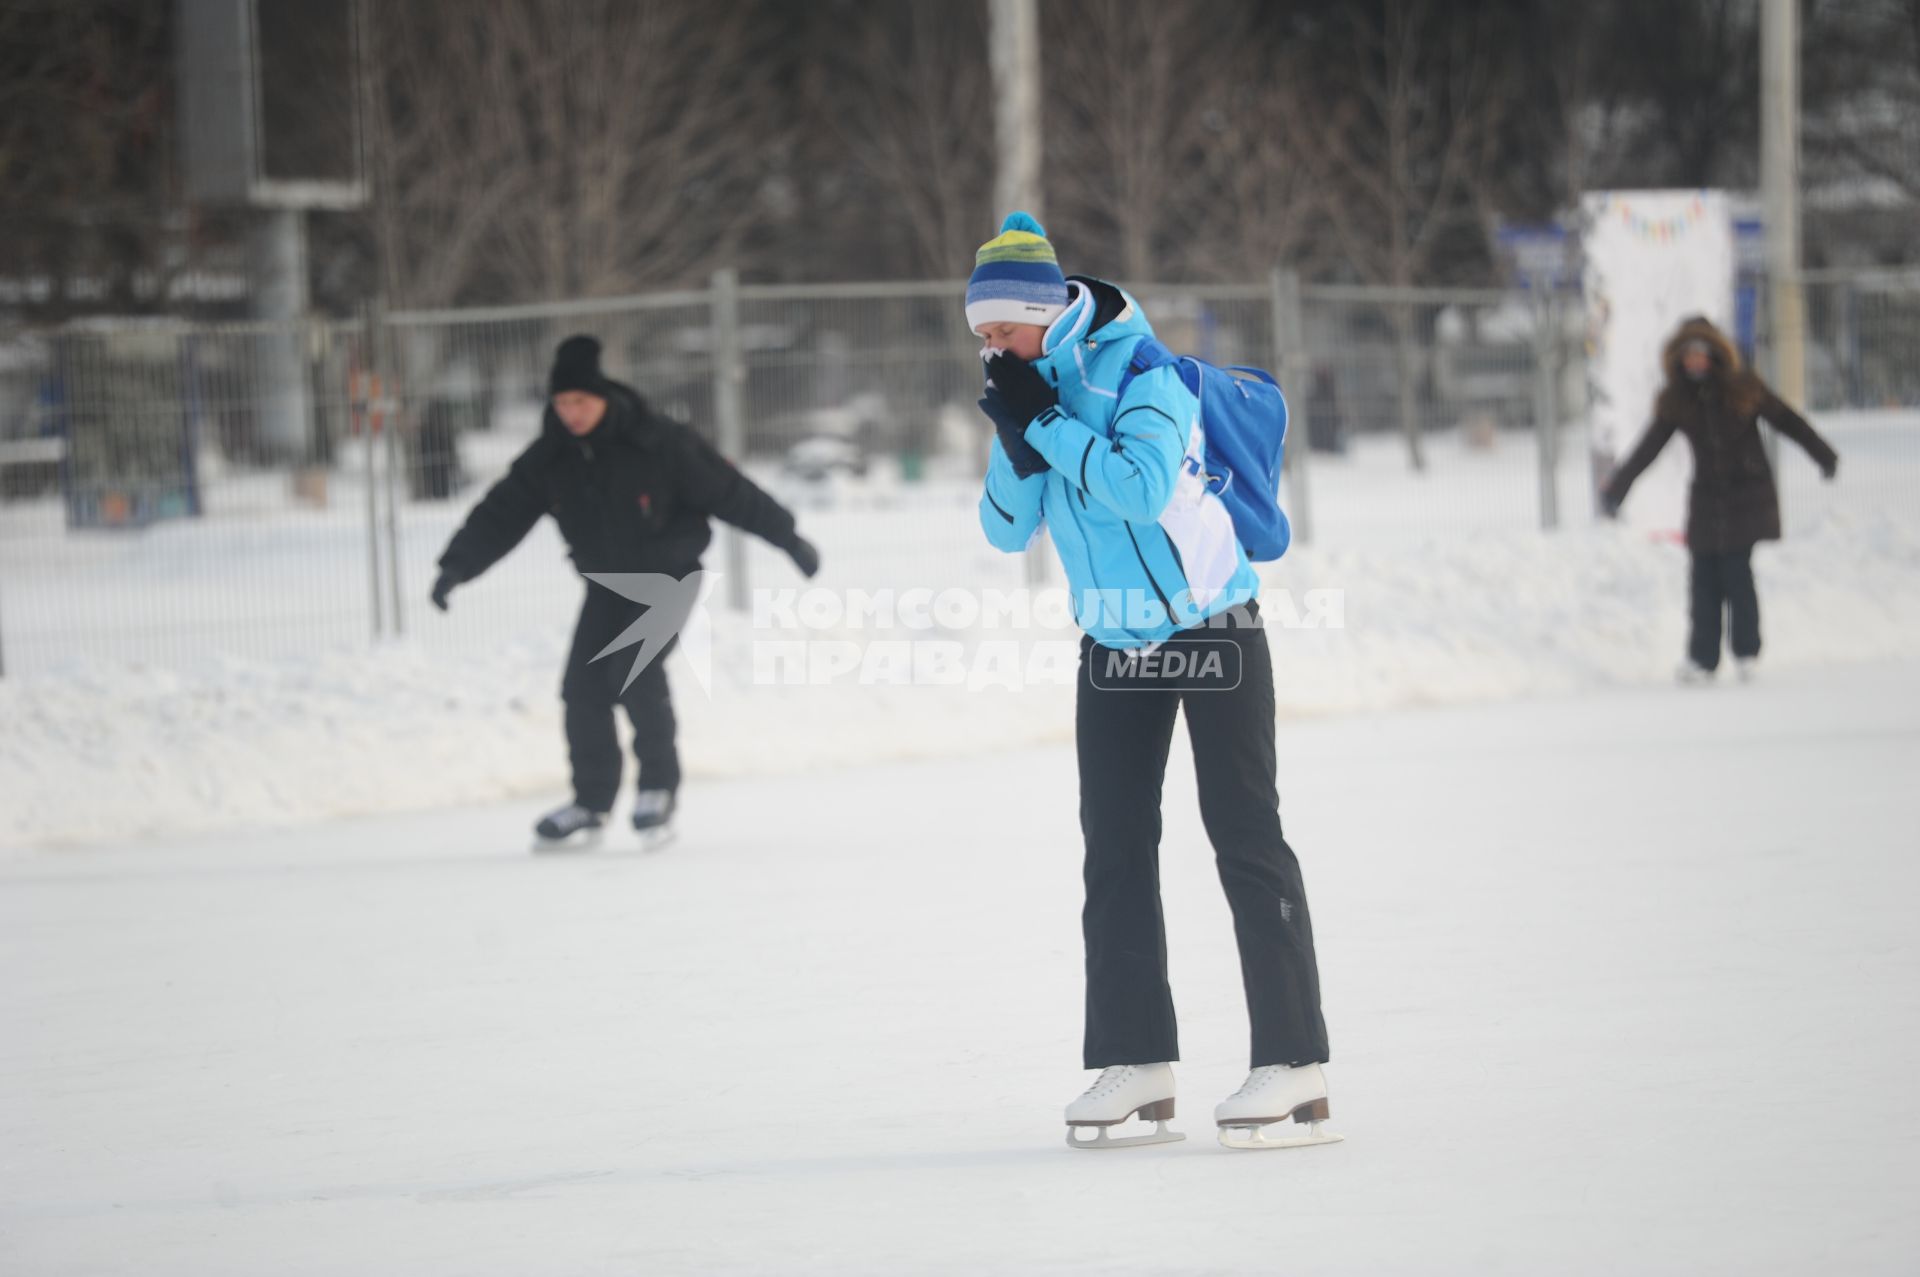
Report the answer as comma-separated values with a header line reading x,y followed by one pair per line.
x,y
1861,76
1255,205
558,148
1404,152
904,91
1125,89
86,179
1573,50
1170,132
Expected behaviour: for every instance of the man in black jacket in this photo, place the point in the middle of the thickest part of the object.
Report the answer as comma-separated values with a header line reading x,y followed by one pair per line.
x,y
632,491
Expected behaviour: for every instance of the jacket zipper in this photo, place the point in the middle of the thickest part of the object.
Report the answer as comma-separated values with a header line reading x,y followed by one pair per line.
x,y
1178,561
1087,542
1165,602
1086,552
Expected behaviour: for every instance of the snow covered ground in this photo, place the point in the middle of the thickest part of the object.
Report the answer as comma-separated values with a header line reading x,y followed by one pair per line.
x,y
1617,982
1434,590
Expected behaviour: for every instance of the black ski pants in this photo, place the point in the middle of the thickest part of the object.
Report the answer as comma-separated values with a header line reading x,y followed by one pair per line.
x,y
1723,583
1123,728
589,691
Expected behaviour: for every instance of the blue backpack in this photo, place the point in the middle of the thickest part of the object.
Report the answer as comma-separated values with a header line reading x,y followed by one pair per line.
x,y
1244,418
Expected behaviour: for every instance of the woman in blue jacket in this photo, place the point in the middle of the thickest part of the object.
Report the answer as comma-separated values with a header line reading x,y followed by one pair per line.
x,y
1109,460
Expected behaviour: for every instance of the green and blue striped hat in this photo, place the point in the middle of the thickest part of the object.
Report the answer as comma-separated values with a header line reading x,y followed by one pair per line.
x,y
1015,277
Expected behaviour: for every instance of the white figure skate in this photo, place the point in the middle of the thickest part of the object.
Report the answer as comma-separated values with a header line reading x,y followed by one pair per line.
x,y
1272,1094
1117,1094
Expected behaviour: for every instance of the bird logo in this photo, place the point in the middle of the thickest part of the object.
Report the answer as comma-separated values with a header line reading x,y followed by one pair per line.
x,y
671,607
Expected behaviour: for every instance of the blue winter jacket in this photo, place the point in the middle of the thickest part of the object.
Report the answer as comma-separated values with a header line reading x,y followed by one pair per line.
x,y
1146,548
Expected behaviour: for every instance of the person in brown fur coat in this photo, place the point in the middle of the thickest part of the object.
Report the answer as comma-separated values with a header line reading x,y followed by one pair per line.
x,y
1713,399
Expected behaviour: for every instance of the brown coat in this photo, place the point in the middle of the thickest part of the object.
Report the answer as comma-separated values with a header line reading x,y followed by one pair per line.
x,y
1733,502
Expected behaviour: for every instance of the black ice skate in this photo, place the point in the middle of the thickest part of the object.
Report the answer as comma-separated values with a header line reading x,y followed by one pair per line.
x,y
569,828
653,817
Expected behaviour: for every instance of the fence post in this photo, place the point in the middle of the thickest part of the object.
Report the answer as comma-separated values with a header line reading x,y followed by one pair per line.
x,y
390,428
1546,394
1289,359
363,418
1764,350
729,424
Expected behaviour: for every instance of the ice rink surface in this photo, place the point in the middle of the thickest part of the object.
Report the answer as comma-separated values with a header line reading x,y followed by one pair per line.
x,y
1621,982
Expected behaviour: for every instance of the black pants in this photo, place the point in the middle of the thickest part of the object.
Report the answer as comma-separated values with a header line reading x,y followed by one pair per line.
x,y
1723,583
590,689
1123,728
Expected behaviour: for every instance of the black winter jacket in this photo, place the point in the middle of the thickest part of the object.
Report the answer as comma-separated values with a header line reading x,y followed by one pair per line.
x,y
634,495
1733,502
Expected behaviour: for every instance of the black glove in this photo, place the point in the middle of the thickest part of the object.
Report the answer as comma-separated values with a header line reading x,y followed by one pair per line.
x,y
1830,469
443,586
804,556
1013,435
1024,391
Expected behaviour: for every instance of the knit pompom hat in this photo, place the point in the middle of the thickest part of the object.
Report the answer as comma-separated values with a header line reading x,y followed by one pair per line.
x,y
1016,278
576,366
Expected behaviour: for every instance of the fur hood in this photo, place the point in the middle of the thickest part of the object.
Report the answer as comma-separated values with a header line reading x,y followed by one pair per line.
x,y
1726,358
1738,386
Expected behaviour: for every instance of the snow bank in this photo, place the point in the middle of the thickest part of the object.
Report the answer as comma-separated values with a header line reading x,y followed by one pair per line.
x,y
1442,591
118,750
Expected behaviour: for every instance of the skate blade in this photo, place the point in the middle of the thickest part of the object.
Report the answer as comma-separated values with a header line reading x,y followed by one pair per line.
x,y
656,839
1160,1135
586,840
1255,1137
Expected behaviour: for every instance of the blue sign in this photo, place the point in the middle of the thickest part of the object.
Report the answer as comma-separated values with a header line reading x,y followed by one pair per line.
x,y
1540,256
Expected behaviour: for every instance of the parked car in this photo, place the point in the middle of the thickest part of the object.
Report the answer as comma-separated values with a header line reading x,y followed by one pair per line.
x,y
819,457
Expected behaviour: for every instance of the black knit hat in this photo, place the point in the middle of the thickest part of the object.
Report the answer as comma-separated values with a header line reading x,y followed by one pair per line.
x,y
576,366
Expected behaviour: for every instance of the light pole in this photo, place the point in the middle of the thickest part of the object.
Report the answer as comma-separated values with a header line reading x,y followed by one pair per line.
x,y
1015,54
1013,48
1780,192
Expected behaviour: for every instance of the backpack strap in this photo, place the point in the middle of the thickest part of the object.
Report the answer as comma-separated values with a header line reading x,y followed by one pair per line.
x,y
1148,355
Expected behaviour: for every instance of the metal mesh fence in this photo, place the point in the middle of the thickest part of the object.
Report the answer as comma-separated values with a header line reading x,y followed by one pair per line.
x,y
170,492
1863,392
153,511
1862,334
858,412
1437,411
